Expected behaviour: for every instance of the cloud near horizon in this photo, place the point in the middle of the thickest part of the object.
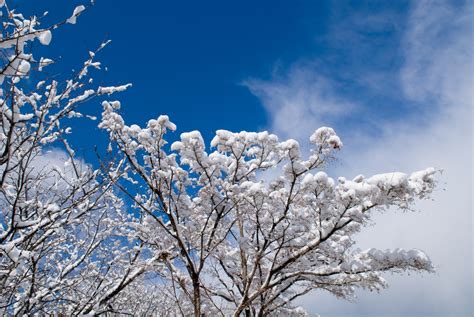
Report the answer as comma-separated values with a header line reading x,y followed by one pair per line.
x,y
436,76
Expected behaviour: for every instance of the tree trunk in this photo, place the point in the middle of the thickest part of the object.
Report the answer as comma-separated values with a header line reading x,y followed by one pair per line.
x,y
196,297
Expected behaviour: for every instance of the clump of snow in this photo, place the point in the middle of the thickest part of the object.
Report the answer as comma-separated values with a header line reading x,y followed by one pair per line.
x,y
43,63
82,97
326,136
160,123
45,37
321,177
77,11
293,148
192,138
423,181
112,89
388,180
24,67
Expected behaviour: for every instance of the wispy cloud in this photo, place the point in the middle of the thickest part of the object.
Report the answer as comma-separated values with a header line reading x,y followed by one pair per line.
x,y
438,49
436,78
300,100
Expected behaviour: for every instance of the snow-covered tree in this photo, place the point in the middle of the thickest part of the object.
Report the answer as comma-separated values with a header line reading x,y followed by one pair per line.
x,y
250,226
244,228
58,217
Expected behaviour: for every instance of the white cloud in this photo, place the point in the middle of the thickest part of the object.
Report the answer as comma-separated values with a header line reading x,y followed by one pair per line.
x,y
439,60
438,76
299,101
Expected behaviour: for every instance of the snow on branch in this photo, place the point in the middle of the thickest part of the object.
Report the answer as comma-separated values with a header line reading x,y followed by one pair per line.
x,y
251,244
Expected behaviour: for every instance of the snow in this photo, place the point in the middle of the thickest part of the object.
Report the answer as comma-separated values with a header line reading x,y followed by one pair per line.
x,y
358,178
44,62
321,177
112,89
412,257
162,121
86,94
134,130
334,141
45,37
77,11
318,179
24,117
24,67
387,180
13,252
326,136
191,136
218,205
292,147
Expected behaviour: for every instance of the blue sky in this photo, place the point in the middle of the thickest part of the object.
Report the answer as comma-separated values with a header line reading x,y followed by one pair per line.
x,y
189,59
393,77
